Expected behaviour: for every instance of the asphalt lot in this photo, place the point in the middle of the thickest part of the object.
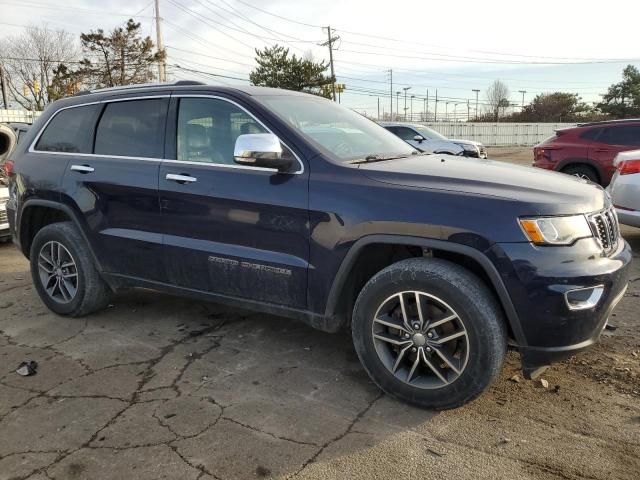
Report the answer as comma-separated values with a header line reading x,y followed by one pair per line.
x,y
162,387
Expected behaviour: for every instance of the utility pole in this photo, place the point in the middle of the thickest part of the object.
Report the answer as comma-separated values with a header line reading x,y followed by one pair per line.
x,y
405,102
3,85
378,108
329,42
397,103
446,111
162,75
477,92
435,112
522,92
424,109
391,94
468,110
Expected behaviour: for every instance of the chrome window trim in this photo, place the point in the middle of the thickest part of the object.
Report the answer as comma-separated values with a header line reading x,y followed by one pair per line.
x,y
32,147
300,171
164,160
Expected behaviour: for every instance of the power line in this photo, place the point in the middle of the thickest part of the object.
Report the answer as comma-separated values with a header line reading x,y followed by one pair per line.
x,y
279,16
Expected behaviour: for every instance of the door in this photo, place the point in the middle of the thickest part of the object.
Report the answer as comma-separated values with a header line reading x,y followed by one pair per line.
x,y
610,142
229,229
115,187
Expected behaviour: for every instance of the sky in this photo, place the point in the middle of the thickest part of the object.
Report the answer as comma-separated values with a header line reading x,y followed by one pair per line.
x,y
452,47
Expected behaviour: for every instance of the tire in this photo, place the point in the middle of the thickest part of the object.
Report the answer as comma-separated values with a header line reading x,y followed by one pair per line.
x,y
583,171
476,357
91,291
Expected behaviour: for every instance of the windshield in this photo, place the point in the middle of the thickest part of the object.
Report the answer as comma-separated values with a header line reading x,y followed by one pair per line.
x,y
343,133
429,134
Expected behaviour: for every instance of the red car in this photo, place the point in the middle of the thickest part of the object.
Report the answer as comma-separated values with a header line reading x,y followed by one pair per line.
x,y
588,150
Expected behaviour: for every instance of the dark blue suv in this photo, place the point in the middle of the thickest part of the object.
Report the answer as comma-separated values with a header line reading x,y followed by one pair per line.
x,y
291,204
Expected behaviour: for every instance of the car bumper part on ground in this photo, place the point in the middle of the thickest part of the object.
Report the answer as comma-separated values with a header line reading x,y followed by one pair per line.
x,y
537,279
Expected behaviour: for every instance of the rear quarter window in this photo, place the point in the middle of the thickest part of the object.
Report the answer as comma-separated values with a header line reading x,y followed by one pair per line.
x,y
69,130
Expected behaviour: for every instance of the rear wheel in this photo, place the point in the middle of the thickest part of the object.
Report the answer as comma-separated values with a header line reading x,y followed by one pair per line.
x,y
64,273
582,171
429,332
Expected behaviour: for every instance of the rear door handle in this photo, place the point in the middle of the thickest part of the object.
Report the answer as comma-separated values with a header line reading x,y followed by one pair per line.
x,y
82,168
181,178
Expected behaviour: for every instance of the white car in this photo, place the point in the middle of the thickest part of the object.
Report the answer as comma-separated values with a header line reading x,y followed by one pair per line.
x,y
425,139
625,187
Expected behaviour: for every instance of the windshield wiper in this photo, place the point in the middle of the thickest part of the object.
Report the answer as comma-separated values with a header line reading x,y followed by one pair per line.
x,y
380,158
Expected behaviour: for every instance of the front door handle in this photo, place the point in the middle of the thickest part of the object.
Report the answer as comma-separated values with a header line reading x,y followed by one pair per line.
x,y
181,178
82,168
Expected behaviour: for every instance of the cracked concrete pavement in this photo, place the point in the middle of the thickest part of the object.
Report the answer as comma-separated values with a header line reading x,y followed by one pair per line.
x,y
163,387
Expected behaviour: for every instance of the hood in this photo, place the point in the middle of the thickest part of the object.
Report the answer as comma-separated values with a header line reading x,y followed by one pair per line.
x,y
466,142
545,192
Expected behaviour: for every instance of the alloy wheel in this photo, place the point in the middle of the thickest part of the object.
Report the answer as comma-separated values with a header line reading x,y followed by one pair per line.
x,y
420,339
58,272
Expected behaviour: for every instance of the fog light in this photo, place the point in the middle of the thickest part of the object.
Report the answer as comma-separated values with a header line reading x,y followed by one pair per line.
x,y
583,298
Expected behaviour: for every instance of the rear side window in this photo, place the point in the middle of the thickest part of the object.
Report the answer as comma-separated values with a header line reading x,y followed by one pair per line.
x,y
591,134
621,135
132,128
70,131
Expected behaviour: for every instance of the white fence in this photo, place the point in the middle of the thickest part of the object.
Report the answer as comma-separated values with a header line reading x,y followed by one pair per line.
x,y
7,116
498,134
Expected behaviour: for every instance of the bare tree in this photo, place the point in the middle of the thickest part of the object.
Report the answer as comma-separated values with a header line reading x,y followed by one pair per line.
x,y
497,98
30,59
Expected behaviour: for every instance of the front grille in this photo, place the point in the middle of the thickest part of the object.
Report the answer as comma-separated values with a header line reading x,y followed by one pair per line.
x,y
3,216
606,229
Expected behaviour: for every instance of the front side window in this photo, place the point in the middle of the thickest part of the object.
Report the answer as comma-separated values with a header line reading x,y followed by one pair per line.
x,y
70,131
405,133
429,133
342,134
208,129
133,128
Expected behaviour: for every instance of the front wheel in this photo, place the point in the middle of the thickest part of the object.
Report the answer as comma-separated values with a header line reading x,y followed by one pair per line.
x,y
429,332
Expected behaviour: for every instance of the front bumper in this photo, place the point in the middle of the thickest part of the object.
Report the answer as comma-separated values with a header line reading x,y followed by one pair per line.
x,y
537,279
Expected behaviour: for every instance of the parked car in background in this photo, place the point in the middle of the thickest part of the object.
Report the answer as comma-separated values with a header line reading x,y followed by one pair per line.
x,y
588,150
8,140
292,204
625,187
20,128
425,139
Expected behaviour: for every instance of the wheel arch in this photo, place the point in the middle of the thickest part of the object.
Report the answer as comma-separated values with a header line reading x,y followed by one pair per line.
x,y
347,275
577,161
37,213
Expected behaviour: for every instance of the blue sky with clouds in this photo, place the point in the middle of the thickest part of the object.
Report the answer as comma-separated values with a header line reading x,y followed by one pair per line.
x,y
453,47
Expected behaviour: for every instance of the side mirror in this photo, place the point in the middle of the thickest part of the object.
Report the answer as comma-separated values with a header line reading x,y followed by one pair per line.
x,y
261,150
418,138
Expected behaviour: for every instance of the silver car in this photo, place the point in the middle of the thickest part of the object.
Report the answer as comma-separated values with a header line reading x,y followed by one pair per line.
x,y
625,187
425,139
8,139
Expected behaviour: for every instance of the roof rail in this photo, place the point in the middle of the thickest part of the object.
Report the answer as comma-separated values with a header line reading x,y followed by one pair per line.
x,y
146,85
606,122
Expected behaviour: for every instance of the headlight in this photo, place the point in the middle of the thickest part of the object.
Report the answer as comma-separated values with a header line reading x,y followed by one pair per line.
x,y
556,230
469,147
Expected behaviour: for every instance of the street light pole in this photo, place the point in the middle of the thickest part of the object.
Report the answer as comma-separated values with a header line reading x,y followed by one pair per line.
x,y
412,97
405,101
522,92
446,111
477,91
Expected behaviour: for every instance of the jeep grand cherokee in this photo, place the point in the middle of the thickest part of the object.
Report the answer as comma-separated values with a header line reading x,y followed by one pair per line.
x,y
292,204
